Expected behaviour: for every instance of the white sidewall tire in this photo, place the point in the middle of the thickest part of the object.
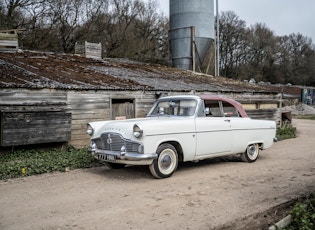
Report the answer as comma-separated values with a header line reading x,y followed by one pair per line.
x,y
166,163
251,153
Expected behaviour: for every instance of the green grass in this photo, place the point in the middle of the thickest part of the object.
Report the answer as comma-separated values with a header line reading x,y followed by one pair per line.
x,y
31,162
308,117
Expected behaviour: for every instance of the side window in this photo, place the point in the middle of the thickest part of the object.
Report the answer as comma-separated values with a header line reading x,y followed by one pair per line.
x,y
213,109
187,107
229,110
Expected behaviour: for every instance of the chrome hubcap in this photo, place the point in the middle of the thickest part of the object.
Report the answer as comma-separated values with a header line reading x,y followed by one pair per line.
x,y
252,152
166,162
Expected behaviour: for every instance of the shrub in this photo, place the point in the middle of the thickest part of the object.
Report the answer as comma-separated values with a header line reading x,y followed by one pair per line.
x,y
286,132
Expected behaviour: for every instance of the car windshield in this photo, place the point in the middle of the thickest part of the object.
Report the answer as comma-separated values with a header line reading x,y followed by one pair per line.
x,y
173,107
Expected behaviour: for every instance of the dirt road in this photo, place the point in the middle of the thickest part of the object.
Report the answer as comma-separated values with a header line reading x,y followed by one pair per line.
x,y
213,194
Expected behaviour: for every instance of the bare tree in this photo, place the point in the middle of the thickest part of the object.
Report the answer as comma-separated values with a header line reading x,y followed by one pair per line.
x,y
38,29
64,18
126,28
151,33
261,52
297,59
114,26
57,25
131,29
233,44
12,12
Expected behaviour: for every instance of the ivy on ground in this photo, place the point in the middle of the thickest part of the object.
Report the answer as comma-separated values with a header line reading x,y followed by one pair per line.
x,y
30,162
303,215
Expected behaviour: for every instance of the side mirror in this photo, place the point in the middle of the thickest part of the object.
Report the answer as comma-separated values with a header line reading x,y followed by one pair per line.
x,y
207,111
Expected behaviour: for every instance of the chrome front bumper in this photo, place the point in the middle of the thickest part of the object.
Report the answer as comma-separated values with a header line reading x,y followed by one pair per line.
x,y
122,157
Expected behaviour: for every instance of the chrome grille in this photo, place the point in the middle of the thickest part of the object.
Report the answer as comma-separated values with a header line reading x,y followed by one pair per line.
x,y
114,142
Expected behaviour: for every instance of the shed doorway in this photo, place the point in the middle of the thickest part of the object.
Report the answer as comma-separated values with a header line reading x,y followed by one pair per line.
x,y
123,109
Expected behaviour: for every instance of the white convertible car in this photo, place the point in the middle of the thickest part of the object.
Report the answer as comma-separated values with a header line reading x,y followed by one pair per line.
x,y
179,129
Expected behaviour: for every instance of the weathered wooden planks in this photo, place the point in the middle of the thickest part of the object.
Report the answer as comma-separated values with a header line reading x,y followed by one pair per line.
x,y
34,116
24,128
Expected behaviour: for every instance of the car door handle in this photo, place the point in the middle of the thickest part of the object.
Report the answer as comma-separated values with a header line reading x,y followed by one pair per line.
x,y
227,120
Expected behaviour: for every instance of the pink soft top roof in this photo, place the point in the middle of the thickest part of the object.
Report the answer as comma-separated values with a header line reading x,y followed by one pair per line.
x,y
236,104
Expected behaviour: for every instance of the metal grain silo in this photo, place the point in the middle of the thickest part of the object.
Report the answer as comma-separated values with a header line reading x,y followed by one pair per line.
x,y
190,20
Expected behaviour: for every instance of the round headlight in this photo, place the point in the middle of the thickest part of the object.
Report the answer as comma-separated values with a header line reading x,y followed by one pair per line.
x,y
89,130
137,131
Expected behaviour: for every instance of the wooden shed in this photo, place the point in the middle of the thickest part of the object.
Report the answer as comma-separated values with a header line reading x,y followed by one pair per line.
x,y
47,98
9,39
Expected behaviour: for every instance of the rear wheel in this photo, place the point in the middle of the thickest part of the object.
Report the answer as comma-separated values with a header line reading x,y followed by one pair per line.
x,y
166,164
114,165
251,154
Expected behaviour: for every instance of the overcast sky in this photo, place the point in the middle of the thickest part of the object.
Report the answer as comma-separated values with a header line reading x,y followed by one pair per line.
x,y
283,17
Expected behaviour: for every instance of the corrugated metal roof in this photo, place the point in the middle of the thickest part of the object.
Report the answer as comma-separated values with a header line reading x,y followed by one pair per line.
x,y
63,71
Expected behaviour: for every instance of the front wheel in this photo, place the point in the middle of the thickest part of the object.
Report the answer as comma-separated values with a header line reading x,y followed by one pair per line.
x,y
166,164
251,153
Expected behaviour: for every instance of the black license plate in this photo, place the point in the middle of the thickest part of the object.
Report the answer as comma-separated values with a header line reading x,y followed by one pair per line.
x,y
107,157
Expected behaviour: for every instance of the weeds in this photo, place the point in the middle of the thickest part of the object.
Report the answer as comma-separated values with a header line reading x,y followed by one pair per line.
x,y
303,215
286,132
31,162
